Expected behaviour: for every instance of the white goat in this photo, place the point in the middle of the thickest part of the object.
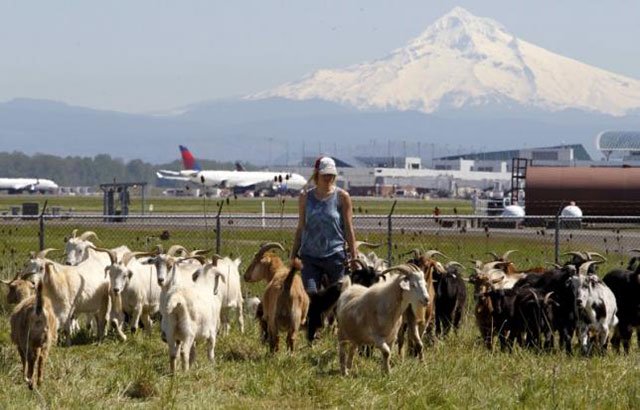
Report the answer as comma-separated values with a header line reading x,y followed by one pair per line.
x,y
230,292
192,312
76,289
76,248
372,316
134,290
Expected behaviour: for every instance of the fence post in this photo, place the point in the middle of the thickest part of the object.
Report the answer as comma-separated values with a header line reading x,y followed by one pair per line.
x,y
218,226
389,233
557,234
41,232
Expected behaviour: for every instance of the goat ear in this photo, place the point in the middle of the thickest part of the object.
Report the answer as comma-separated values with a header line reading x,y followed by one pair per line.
x,y
129,273
221,276
404,284
106,271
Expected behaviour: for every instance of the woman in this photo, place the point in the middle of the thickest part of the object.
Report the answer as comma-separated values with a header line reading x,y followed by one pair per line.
x,y
324,225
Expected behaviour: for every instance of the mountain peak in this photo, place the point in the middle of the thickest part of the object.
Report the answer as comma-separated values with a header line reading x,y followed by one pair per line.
x,y
465,61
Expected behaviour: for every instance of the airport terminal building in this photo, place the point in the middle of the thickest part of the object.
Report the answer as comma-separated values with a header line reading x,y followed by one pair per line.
x,y
457,176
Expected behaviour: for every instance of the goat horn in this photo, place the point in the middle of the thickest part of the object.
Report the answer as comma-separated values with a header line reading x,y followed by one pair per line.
x,y
454,263
43,253
578,254
268,246
634,250
74,233
592,254
112,254
6,282
405,269
86,235
369,245
175,248
200,252
535,296
359,261
430,254
505,256
214,259
546,297
416,253
495,256
584,268
126,258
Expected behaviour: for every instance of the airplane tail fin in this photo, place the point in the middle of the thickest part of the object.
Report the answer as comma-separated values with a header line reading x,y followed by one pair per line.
x,y
188,160
239,166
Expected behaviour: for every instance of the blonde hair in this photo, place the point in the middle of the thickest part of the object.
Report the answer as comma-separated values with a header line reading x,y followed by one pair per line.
x,y
313,180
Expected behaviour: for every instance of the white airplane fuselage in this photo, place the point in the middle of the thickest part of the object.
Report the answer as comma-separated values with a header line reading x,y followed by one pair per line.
x,y
27,184
232,179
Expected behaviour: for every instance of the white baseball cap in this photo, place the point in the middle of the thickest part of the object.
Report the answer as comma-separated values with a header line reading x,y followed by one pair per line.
x,y
326,166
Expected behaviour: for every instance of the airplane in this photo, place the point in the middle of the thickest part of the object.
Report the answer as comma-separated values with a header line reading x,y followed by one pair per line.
x,y
17,185
239,178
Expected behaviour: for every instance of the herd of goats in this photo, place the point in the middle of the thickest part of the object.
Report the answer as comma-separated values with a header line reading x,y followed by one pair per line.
x,y
373,306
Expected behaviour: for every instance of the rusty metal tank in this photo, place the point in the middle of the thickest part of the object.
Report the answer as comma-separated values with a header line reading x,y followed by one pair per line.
x,y
596,190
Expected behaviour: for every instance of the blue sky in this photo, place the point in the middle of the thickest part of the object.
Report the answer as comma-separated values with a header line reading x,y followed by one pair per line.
x,y
145,56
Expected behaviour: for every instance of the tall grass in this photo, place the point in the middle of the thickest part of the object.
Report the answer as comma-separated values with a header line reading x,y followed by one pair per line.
x,y
456,373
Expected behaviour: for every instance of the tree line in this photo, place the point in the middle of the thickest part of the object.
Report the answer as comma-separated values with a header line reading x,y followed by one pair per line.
x,y
91,171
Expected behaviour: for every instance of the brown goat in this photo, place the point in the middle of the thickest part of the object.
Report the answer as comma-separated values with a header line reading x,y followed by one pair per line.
x,y
483,283
19,289
285,302
34,329
424,316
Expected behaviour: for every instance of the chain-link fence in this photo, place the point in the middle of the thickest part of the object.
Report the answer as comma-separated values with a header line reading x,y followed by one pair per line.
x,y
539,240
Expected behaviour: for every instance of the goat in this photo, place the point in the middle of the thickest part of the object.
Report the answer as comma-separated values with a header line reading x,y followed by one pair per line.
x,y
451,297
76,289
285,302
134,290
34,329
76,248
374,315
192,312
625,285
20,288
596,305
422,316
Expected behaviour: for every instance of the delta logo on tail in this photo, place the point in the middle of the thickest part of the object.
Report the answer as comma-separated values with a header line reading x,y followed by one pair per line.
x,y
188,160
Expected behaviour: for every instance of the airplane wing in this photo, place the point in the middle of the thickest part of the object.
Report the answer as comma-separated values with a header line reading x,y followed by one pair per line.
x,y
168,172
172,177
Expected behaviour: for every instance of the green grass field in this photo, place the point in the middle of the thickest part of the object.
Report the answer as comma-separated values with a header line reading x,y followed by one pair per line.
x,y
191,205
456,373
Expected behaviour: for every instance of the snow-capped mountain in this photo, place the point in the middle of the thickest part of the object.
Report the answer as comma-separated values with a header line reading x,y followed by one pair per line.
x,y
464,61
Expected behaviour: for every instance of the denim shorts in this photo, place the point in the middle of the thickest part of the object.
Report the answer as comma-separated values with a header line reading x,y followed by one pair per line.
x,y
314,268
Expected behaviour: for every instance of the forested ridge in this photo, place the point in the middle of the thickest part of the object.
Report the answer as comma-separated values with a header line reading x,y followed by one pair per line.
x,y
89,171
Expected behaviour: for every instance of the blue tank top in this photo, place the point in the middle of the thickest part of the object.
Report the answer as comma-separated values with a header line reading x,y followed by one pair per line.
x,y
323,234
